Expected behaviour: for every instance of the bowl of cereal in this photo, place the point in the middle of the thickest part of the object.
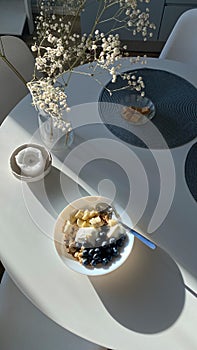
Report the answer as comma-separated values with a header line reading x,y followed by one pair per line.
x,y
89,239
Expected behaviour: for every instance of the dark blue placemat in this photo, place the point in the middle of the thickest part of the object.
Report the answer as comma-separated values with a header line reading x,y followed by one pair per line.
x,y
175,100
191,170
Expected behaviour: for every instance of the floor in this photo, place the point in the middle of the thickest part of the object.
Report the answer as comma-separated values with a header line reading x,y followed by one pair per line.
x,y
150,48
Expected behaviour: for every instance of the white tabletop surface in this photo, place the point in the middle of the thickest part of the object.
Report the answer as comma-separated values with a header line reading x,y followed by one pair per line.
x,y
149,301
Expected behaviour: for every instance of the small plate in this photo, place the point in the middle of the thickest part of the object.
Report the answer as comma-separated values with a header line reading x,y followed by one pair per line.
x,y
16,171
68,259
139,103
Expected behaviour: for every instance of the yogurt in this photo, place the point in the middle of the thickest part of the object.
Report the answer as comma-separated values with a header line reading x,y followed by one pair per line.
x,y
87,234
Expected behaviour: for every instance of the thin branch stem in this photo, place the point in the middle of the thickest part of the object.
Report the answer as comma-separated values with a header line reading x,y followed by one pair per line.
x,y
10,65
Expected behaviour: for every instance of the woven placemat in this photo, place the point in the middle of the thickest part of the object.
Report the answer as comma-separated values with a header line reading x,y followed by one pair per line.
x,y
191,170
175,101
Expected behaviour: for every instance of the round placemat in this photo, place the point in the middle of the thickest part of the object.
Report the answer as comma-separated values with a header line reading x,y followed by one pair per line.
x,y
191,170
175,101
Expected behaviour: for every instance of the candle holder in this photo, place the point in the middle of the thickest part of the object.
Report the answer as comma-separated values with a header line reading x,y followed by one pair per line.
x,y
29,176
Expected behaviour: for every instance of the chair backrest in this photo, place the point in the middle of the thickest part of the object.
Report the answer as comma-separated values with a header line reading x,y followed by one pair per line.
x,y
181,45
12,89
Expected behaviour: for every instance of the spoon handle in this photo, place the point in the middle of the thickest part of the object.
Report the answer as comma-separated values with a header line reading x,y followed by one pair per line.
x,y
138,235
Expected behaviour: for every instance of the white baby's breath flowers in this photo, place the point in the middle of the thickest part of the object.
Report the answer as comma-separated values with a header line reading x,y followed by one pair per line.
x,y
59,49
50,99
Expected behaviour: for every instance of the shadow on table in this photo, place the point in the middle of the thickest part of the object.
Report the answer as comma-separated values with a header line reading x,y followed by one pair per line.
x,y
57,189
49,193
146,294
177,233
54,192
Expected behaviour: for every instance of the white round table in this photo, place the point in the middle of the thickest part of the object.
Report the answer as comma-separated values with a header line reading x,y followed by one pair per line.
x,y
150,301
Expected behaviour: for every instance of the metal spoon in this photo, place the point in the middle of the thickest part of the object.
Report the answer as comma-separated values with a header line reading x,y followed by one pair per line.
x,y
106,208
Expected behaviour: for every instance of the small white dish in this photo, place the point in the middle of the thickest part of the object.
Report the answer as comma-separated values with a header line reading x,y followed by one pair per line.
x,y
16,170
135,101
68,259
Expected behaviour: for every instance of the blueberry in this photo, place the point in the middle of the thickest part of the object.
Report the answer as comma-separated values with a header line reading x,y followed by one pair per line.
x,y
91,252
93,262
85,244
105,261
108,250
120,242
97,250
104,244
85,253
109,257
78,245
112,240
123,236
102,234
85,262
115,251
98,241
95,256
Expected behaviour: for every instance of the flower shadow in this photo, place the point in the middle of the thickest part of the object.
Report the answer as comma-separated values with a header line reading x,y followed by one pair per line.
x,y
55,190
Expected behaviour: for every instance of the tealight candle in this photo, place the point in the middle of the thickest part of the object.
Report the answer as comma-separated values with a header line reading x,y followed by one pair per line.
x,y
31,161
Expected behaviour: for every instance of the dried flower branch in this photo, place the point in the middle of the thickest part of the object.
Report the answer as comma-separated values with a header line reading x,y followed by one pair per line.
x,y
59,48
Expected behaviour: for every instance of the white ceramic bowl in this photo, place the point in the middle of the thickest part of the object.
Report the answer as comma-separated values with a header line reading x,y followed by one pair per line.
x,y
68,259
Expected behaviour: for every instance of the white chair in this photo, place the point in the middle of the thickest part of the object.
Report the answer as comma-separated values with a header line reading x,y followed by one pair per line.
x,y
24,327
181,45
14,15
12,89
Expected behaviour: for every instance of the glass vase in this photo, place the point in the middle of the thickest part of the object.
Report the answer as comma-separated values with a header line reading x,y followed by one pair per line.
x,y
53,137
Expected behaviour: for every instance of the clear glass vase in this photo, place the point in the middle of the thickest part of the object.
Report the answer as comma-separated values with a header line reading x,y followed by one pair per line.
x,y
53,137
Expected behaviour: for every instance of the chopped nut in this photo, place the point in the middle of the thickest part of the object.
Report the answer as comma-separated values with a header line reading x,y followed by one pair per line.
x,y
80,260
112,222
86,215
80,222
105,218
67,249
66,241
67,227
72,247
86,224
96,221
93,213
79,214
73,219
